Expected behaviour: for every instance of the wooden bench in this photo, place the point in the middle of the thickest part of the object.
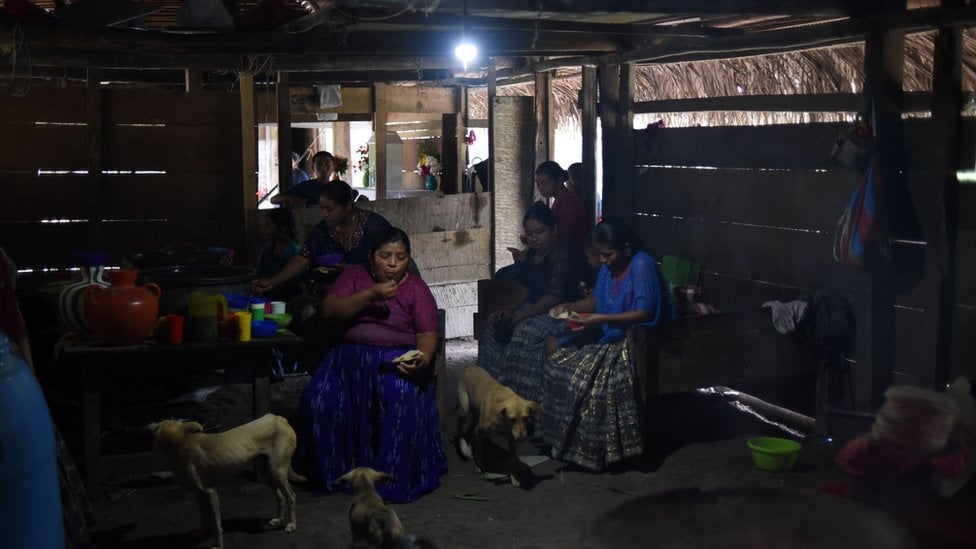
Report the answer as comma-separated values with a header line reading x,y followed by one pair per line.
x,y
727,349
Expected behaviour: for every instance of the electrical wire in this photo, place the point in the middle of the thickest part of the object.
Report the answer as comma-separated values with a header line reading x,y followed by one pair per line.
x,y
20,49
381,18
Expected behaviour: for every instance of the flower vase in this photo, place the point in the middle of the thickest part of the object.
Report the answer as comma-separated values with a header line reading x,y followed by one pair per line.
x,y
431,182
123,313
366,179
71,301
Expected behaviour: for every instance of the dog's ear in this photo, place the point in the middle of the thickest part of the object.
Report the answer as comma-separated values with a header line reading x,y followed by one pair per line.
x,y
151,428
191,427
345,479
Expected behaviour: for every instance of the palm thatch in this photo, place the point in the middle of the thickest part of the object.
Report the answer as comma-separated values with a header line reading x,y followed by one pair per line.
x,y
838,69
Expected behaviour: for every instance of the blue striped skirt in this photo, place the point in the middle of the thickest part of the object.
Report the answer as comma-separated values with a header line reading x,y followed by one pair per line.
x,y
352,414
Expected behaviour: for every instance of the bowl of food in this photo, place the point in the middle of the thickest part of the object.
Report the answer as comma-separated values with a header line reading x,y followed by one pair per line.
x,y
774,453
281,319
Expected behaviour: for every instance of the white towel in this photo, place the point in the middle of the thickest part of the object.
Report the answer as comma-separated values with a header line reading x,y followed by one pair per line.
x,y
787,315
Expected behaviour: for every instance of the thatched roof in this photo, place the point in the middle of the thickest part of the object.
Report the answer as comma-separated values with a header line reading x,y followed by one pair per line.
x,y
838,69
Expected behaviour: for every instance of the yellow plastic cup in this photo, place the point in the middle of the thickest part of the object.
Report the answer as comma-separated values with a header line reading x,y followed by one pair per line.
x,y
243,326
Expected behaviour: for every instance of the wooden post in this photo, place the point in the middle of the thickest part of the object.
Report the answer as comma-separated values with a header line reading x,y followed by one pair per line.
x,y
193,80
884,67
379,134
249,163
96,235
608,77
283,95
341,144
543,117
588,115
944,148
625,176
450,160
490,184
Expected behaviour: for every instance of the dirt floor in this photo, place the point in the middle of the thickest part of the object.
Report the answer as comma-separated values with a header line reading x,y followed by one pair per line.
x,y
144,509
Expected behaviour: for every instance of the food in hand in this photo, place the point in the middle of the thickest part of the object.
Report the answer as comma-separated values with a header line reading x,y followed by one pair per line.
x,y
567,314
409,356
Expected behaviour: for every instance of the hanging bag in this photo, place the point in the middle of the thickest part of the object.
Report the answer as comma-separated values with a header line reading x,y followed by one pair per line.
x,y
861,238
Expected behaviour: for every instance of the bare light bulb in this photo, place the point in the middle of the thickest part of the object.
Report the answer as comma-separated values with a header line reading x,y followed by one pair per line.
x,y
466,51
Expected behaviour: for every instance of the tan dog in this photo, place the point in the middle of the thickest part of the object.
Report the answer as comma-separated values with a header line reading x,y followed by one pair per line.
x,y
372,523
201,461
495,408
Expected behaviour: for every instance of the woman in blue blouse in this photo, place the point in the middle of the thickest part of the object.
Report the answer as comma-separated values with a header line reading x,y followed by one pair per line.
x,y
592,417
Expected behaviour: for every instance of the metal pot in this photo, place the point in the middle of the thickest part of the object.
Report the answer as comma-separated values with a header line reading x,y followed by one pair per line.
x,y
177,281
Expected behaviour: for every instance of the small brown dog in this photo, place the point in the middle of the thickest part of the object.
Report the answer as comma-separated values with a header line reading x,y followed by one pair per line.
x,y
201,461
372,523
495,408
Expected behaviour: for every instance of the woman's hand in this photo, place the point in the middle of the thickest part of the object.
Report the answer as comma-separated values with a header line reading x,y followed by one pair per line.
x,y
412,369
384,291
262,285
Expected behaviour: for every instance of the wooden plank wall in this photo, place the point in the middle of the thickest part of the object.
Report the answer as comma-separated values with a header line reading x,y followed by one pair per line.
x,y
450,238
758,208
171,173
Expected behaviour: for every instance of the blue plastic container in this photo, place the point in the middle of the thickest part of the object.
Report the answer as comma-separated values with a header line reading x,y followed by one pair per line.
x,y
30,500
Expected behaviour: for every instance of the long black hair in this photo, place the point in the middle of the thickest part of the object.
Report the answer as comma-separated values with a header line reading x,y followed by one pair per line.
x,y
337,191
282,218
616,233
541,213
553,170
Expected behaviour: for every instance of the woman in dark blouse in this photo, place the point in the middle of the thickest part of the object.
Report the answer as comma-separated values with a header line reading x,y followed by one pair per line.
x,y
512,350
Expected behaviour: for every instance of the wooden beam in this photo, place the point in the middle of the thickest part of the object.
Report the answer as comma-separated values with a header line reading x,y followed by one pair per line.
x,y
625,174
608,77
947,106
193,80
95,163
884,73
451,162
283,96
649,7
249,163
379,137
490,184
543,117
813,102
588,115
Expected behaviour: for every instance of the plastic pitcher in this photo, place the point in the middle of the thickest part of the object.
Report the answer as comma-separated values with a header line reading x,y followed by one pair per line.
x,y
206,304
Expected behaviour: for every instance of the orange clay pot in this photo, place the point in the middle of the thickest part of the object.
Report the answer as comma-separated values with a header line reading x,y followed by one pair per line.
x,y
123,313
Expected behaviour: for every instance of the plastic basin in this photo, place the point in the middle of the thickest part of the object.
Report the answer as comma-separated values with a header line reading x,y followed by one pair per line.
x,y
774,453
263,328
282,319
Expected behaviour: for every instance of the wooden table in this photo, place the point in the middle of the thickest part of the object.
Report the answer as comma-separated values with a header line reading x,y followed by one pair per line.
x,y
93,361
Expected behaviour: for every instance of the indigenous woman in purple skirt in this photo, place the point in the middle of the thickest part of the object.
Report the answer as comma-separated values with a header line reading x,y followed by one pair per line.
x,y
590,410
362,409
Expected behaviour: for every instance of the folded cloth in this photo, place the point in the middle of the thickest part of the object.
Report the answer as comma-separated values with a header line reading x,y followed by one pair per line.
x,y
787,315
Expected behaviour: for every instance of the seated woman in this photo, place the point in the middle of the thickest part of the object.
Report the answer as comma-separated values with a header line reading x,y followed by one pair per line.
x,y
591,413
360,409
278,229
512,350
344,229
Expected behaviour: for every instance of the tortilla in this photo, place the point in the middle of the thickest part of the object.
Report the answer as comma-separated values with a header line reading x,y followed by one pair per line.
x,y
566,314
409,356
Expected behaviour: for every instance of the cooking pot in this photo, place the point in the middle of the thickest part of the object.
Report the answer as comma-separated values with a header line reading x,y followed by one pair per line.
x,y
166,257
177,281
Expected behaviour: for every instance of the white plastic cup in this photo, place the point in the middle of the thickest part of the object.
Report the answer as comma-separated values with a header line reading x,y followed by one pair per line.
x,y
278,307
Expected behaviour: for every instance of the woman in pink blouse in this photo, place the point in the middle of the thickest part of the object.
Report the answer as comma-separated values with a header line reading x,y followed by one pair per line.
x,y
362,409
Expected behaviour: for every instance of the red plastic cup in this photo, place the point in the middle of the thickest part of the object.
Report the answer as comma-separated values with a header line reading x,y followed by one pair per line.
x,y
174,328
573,324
